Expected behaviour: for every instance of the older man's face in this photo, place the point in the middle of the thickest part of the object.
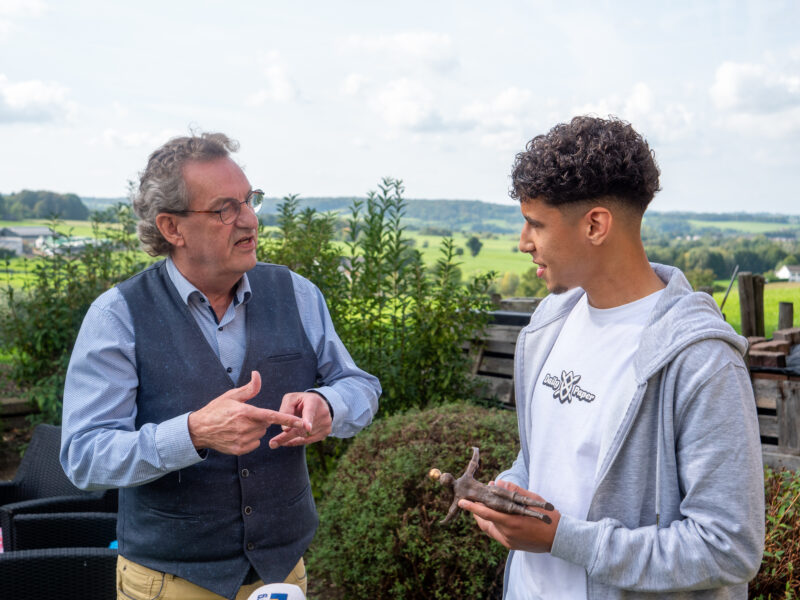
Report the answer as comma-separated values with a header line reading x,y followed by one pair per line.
x,y
216,254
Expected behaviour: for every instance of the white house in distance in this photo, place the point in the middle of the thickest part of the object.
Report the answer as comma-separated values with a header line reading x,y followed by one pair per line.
x,y
788,272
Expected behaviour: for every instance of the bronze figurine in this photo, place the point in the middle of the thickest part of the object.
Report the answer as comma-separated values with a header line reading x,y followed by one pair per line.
x,y
495,497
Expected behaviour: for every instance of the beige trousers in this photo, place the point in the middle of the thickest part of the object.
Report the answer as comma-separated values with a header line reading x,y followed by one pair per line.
x,y
135,582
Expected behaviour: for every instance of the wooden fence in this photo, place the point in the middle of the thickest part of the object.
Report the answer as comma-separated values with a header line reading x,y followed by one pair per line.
x,y
776,389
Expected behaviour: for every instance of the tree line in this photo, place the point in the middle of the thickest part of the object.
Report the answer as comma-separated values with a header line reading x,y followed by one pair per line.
x,y
41,204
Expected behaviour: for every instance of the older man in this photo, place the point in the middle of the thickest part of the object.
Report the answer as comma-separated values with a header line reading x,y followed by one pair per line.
x,y
180,376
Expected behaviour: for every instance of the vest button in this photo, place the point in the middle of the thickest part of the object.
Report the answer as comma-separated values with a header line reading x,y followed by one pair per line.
x,y
247,510
245,473
229,369
250,545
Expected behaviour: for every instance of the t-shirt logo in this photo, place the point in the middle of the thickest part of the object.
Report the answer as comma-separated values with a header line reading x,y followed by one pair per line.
x,y
566,389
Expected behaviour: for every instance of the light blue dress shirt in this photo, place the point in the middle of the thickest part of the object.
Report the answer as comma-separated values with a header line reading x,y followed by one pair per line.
x,y
100,446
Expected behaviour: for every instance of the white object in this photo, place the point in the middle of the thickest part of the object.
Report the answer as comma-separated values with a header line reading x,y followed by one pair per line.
x,y
277,591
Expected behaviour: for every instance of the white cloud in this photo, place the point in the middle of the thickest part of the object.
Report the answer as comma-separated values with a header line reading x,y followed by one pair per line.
x,y
645,112
33,100
411,48
278,87
22,8
113,138
352,84
754,88
409,104
504,112
404,103
760,99
12,9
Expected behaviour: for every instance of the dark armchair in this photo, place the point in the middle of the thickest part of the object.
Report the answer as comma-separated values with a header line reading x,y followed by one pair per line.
x,y
40,486
63,573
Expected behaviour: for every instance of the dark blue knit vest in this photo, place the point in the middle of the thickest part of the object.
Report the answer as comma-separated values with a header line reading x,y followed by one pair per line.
x,y
209,522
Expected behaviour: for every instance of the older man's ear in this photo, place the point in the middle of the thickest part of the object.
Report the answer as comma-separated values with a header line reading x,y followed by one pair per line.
x,y
168,226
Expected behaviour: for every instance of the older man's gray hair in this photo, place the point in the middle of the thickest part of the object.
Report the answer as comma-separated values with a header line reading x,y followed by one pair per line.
x,y
161,184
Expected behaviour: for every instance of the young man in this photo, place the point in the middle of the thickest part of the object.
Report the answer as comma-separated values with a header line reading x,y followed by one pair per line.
x,y
636,413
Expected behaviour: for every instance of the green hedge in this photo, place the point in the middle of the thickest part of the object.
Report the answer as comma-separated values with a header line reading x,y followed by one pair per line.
x,y
776,578
380,535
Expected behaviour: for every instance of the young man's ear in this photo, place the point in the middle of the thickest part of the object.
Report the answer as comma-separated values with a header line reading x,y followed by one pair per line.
x,y
598,222
167,224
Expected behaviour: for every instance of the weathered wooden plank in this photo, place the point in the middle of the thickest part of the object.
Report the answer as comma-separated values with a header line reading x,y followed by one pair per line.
x,y
15,406
502,333
747,304
791,335
767,391
777,460
497,365
496,387
785,315
757,358
789,417
768,426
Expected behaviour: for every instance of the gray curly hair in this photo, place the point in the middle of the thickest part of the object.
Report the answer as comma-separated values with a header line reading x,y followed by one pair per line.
x,y
161,184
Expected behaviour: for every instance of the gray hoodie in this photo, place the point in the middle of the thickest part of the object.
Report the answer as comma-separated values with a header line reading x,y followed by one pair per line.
x,y
678,504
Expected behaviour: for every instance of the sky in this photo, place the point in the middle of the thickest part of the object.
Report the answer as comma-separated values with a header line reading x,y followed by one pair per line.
x,y
326,98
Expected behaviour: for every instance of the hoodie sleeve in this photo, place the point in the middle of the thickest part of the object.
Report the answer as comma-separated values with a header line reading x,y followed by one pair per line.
x,y
517,474
711,530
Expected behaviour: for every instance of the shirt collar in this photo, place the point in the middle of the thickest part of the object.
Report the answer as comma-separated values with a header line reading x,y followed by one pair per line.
x,y
186,288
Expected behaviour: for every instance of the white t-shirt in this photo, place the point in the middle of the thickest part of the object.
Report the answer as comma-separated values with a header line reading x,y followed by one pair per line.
x,y
577,406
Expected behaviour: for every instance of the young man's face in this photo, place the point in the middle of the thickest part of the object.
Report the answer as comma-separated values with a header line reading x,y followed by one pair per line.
x,y
554,239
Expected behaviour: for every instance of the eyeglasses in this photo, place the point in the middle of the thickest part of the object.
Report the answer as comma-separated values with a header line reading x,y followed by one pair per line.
x,y
231,208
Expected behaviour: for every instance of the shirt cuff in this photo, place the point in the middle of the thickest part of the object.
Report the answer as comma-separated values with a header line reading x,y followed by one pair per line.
x,y
336,404
174,444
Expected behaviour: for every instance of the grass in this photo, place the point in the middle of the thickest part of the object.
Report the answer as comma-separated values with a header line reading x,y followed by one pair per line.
x,y
774,293
496,254
72,228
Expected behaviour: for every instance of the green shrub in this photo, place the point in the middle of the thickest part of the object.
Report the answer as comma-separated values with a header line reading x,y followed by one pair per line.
x,y
380,535
776,578
400,321
41,320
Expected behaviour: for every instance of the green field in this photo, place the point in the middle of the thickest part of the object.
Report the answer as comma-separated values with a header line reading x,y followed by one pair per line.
x,y
773,294
496,254
754,227
72,228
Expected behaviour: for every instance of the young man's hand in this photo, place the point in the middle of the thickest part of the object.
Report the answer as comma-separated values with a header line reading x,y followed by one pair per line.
x,y
515,532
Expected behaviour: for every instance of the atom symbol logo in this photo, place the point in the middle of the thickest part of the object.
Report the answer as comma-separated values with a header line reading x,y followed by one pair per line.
x,y
568,381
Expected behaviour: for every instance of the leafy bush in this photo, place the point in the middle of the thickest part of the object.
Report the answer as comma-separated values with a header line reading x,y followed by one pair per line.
x,y
380,535
41,321
776,578
403,323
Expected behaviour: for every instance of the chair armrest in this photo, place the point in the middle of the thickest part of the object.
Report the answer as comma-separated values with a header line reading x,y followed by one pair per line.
x,y
9,492
63,573
93,502
63,530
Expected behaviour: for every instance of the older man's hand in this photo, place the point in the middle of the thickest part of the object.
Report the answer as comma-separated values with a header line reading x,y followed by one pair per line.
x,y
316,416
231,426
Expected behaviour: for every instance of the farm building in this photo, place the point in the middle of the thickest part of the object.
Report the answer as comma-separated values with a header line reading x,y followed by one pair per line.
x,y
788,272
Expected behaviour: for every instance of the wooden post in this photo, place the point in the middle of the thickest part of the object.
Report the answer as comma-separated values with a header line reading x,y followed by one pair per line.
x,y
785,315
747,304
758,299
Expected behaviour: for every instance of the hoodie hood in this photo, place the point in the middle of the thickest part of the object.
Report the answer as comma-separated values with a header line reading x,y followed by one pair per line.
x,y
680,318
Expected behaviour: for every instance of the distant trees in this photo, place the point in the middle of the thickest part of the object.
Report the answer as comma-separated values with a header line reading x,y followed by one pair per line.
x,y
41,204
474,245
